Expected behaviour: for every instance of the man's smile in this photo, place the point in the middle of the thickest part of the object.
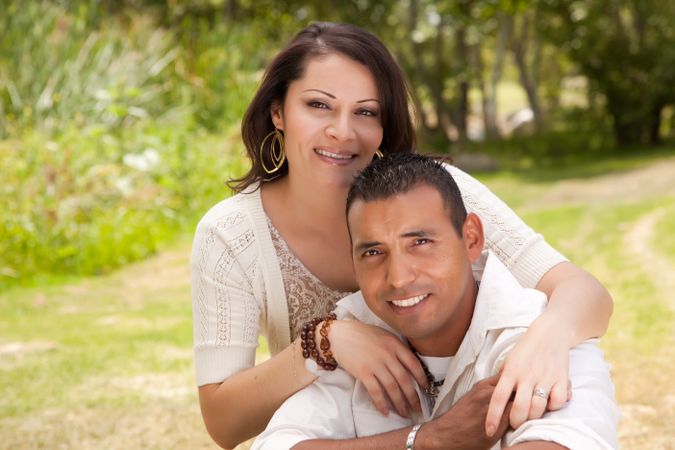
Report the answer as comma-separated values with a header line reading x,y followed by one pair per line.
x,y
410,301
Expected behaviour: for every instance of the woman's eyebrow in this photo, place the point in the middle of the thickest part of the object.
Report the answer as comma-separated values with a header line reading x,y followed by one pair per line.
x,y
323,92
328,94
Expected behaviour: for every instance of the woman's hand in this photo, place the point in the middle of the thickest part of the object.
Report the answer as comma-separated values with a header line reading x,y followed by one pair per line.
x,y
539,360
378,359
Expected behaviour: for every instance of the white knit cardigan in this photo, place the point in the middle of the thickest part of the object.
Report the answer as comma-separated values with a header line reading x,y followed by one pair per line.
x,y
237,285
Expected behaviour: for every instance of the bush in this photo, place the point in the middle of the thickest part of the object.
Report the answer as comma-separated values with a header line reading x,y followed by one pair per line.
x,y
86,202
107,143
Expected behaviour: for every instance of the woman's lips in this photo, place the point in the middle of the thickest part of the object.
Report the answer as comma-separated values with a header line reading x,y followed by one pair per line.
x,y
335,157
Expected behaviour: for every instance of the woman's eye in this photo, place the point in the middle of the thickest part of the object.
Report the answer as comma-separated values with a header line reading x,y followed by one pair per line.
x,y
319,105
367,113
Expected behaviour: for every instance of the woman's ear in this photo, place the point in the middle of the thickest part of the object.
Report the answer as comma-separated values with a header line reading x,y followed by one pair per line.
x,y
474,239
276,112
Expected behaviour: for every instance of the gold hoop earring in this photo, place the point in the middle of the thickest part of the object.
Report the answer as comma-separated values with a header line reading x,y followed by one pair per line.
x,y
277,152
379,154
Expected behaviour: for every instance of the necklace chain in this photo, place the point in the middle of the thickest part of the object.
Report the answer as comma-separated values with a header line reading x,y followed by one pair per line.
x,y
431,392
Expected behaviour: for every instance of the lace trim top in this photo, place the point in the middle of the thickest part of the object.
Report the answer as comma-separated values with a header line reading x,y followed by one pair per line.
x,y
306,295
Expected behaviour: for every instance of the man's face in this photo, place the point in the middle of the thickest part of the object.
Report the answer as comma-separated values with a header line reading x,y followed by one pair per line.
x,y
413,268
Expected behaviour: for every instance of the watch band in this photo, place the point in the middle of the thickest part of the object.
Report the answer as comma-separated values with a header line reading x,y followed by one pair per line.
x,y
410,442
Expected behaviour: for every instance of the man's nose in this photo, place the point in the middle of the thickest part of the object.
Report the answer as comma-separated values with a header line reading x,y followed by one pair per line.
x,y
400,271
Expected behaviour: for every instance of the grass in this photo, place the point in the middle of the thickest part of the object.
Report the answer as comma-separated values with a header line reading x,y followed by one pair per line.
x,y
106,362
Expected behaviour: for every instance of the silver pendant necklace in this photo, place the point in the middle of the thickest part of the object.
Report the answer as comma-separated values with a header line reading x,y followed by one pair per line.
x,y
431,391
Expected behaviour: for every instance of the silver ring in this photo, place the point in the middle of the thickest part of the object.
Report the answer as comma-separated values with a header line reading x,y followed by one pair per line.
x,y
540,392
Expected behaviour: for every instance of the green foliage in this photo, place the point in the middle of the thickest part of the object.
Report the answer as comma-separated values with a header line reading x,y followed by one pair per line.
x,y
89,201
627,51
104,143
119,118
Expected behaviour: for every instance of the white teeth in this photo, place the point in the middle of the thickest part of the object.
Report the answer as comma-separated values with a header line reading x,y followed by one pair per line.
x,y
408,302
332,155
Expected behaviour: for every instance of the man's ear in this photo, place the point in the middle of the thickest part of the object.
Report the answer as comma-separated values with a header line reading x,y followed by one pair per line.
x,y
474,240
276,112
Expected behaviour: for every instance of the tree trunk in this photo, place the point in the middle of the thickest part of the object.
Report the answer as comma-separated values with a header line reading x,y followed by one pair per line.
x,y
519,47
632,129
231,9
462,110
428,79
490,94
655,128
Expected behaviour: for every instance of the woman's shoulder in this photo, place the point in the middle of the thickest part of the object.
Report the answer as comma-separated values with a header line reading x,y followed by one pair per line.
x,y
230,229
232,211
458,174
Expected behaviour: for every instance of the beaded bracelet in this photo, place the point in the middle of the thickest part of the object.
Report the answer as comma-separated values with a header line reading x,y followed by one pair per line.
x,y
324,345
308,344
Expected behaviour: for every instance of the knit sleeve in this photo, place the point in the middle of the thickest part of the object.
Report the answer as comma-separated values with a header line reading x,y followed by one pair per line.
x,y
525,253
225,309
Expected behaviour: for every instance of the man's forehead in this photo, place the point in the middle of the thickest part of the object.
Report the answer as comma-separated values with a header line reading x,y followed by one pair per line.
x,y
407,213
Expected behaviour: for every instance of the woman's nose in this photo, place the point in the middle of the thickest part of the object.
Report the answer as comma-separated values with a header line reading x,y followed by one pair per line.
x,y
340,128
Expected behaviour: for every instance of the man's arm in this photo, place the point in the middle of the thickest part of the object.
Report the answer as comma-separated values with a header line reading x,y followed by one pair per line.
x,y
537,445
322,409
391,440
461,427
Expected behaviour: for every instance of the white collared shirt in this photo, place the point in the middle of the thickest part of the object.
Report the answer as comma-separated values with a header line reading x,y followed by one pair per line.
x,y
336,406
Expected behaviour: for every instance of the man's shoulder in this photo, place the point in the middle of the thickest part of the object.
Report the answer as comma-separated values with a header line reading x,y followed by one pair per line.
x,y
503,302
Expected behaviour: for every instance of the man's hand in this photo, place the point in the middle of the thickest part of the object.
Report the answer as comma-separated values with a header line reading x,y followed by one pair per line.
x,y
463,426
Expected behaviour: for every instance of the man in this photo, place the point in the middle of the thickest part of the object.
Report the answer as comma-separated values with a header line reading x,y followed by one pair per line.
x,y
413,245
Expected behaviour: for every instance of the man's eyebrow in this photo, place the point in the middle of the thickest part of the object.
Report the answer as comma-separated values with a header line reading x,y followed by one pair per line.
x,y
418,233
328,94
362,246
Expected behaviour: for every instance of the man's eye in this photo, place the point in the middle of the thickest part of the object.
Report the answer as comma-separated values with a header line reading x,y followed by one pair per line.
x,y
422,241
371,252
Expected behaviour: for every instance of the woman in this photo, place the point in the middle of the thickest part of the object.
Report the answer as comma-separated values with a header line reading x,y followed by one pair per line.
x,y
277,254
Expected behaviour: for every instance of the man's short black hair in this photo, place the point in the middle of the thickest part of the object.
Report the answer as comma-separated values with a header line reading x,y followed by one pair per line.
x,y
398,173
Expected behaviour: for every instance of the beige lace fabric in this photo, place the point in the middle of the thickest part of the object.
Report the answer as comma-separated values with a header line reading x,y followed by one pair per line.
x,y
306,295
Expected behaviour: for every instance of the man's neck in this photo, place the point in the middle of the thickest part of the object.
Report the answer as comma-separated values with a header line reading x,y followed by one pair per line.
x,y
448,344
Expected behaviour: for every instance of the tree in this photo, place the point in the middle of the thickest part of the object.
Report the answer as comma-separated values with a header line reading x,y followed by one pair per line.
x,y
626,48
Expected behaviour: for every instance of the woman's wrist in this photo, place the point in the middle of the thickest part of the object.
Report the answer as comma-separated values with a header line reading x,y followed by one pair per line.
x,y
301,376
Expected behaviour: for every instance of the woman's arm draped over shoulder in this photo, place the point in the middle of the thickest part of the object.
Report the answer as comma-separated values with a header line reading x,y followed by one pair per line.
x,y
524,252
237,399
579,306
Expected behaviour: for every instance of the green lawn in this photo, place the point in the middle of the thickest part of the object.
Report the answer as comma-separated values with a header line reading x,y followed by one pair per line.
x,y
107,362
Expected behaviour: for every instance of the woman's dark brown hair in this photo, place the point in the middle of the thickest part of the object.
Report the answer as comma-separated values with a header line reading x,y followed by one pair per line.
x,y
317,40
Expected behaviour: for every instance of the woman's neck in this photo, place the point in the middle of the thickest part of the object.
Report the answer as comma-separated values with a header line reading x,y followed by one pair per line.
x,y
321,205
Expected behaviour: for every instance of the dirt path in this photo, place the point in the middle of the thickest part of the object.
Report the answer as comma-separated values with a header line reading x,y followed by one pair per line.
x,y
627,186
638,241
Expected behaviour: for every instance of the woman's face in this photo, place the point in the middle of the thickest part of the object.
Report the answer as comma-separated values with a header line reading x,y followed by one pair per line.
x,y
331,121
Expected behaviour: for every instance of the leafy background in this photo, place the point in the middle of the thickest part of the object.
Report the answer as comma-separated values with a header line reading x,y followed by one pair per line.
x,y
119,125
